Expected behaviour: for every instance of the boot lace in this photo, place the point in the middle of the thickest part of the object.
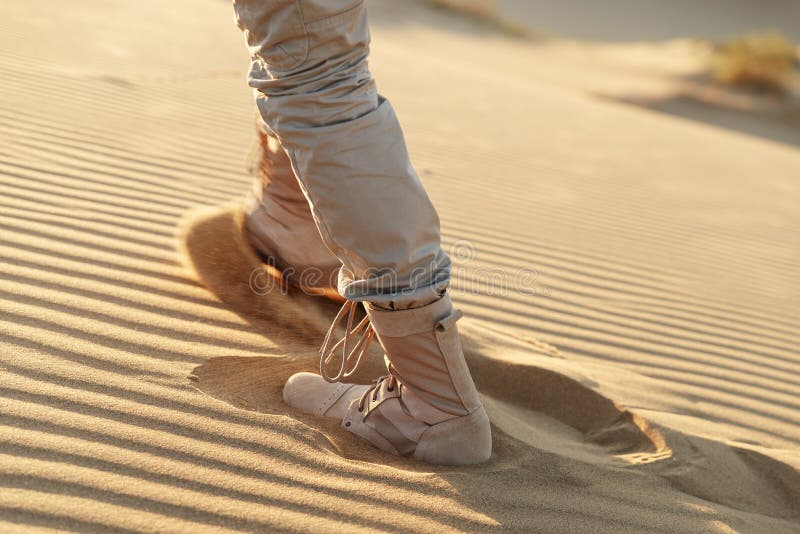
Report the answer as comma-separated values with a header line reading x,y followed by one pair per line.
x,y
392,383
351,351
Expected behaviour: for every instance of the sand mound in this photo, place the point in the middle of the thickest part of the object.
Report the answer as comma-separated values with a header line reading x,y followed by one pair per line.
x,y
214,248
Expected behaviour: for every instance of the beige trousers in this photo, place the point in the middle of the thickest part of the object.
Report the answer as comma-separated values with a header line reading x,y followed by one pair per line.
x,y
315,93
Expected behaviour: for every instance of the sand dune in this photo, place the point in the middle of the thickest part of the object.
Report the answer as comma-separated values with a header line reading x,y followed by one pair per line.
x,y
646,379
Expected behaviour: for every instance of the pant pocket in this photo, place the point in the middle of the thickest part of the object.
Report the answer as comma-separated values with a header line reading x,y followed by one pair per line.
x,y
275,31
316,12
337,31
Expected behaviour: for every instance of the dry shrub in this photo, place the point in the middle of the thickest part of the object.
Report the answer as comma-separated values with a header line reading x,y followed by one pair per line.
x,y
762,61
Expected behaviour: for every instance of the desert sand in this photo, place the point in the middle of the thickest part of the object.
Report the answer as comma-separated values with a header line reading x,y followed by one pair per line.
x,y
637,348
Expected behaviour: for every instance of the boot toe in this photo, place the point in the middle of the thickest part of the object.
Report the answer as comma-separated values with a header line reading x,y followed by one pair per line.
x,y
310,393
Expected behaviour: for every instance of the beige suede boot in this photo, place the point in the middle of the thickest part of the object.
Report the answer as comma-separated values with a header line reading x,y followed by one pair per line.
x,y
279,225
427,407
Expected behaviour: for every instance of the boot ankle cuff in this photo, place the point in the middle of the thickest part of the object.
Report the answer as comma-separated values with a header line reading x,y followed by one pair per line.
x,y
401,323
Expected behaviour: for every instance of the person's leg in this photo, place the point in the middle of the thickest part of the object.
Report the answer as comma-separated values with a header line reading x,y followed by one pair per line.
x,y
278,221
316,94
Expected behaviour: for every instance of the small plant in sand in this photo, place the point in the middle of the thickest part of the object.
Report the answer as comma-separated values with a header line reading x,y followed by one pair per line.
x,y
763,61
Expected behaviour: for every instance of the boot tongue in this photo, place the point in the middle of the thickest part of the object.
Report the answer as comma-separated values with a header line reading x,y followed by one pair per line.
x,y
419,365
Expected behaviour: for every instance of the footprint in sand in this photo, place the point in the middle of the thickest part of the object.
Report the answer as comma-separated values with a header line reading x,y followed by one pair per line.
x,y
541,406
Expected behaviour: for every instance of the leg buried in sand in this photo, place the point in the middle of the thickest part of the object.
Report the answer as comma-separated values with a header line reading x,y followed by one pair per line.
x,y
315,94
